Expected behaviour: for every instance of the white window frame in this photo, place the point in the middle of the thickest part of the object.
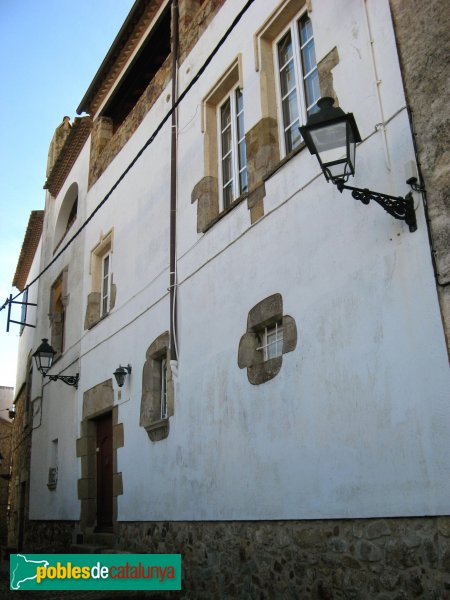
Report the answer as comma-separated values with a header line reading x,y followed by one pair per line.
x,y
163,388
300,78
236,170
275,330
105,287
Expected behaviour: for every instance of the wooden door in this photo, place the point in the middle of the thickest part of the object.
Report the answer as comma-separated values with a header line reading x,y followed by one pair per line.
x,y
104,472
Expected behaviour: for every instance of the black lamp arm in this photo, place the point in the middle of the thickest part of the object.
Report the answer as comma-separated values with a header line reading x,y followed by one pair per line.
x,y
396,206
68,379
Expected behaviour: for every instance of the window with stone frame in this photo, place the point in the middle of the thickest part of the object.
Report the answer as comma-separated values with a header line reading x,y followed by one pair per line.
x,y
270,334
298,79
101,299
233,159
57,314
224,149
157,389
289,85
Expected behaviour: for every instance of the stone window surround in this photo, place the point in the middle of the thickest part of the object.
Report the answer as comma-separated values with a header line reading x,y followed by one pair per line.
x,y
263,41
156,428
93,308
58,296
265,314
206,191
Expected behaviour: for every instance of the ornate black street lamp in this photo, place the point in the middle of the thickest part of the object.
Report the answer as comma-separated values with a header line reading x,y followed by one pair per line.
x,y
43,357
120,373
332,136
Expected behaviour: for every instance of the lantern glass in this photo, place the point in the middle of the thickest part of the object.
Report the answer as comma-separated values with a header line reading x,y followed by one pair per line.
x,y
119,374
331,135
44,357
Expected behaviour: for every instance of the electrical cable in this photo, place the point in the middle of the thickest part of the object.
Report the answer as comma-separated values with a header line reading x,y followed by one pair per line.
x,y
149,141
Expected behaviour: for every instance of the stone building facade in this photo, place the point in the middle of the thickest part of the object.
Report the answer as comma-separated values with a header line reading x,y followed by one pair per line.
x,y
423,64
278,422
6,404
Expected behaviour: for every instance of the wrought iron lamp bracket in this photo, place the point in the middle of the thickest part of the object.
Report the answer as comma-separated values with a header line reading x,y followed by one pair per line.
x,y
397,206
68,379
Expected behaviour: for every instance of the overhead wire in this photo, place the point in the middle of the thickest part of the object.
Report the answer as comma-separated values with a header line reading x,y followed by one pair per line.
x,y
149,141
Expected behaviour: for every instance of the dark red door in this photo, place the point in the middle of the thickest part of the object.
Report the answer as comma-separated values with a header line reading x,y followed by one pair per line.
x,y
104,472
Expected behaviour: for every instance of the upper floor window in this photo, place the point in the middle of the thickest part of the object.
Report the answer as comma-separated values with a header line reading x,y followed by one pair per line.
x,y
67,214
298,79
105,284
58,301
232,147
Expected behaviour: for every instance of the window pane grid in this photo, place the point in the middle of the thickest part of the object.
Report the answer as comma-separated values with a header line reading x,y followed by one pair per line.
x,y
241,147
273,342
298,79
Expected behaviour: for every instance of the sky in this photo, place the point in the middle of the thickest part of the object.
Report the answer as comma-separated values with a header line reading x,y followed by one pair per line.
x,y
50,51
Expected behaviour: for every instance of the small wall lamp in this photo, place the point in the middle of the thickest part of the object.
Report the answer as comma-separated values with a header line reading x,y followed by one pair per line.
x,y
44,356
332,136
120,373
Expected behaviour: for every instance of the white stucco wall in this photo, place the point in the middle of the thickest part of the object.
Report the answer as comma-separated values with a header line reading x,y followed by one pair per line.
x,y
355,424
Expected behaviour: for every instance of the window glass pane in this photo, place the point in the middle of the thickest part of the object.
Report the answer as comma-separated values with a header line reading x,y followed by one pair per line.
x,y
243,181
227,170
305,29
312,89
309,66
292,138
287,79
274,342
239,101
285,50
226,141
241,147
225,115
227,195
163,388
240,125
308,57
290,109
242,155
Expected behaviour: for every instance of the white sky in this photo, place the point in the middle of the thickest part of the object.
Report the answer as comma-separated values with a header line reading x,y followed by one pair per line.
x,y
50,51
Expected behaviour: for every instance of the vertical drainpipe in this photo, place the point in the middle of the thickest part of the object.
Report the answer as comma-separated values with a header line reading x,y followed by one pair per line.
x,y
173,189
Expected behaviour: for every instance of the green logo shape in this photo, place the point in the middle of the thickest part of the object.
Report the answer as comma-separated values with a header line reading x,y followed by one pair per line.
x,y
95,571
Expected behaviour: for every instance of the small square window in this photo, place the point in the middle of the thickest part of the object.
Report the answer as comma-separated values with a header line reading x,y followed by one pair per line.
x,y
272,341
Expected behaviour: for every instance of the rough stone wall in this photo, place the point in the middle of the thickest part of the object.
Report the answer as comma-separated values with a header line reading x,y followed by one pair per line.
x,y
50,536
20,466
358,559
5,451
423,39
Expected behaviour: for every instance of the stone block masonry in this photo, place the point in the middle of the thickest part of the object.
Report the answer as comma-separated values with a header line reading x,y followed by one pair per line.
x,y
361,559
399,558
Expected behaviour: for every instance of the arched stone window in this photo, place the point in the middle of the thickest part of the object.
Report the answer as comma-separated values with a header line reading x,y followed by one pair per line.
x,y
67,214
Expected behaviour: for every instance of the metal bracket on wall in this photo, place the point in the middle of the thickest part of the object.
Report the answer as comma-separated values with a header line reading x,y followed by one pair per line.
x,y
10,302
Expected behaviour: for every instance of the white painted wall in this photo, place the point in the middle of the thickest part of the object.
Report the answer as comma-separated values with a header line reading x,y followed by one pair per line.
x,y
356,422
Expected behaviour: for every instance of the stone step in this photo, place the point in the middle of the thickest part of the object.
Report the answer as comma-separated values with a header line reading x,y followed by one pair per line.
x,y
86,549
101,538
